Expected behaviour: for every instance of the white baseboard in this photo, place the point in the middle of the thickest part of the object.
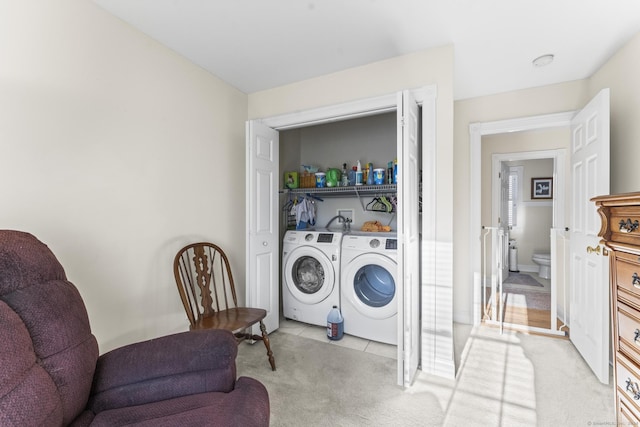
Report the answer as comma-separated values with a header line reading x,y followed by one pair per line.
x,y
527,268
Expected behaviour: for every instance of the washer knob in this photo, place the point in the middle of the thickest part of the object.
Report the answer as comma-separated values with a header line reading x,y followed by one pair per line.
x,y
374,243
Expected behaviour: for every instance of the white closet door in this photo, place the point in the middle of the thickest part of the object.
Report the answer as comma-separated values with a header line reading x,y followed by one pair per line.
x,y
589,269
409,239
262,284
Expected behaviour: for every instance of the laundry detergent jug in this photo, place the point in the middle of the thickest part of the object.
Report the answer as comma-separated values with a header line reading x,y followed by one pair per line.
x,y
335,324
333,177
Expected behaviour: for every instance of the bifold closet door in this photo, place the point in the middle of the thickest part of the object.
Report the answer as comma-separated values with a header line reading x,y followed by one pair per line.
x,y
262,274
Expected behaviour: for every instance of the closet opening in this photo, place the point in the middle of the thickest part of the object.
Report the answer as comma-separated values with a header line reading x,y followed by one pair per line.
x,y
415,130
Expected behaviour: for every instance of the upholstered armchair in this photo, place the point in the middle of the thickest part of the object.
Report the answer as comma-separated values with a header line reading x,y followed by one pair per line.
x,y
51,373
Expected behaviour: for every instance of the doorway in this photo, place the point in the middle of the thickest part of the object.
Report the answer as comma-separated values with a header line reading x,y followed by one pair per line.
x,y
527,219
526,128
589,171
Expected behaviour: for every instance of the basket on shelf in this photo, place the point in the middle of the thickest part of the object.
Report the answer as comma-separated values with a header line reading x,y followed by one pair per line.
x,y
307,180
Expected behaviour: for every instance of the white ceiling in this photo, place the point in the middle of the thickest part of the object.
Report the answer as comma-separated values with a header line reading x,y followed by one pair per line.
x,y
260,44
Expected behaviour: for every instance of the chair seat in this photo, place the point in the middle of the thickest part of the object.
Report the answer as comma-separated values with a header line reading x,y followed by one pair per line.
x,y
233,319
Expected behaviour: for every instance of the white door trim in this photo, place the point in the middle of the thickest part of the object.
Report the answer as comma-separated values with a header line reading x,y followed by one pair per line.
x,y
346,110
476,132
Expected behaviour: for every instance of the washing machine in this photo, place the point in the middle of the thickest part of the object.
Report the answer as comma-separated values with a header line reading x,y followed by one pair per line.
x,y
368,281
310,274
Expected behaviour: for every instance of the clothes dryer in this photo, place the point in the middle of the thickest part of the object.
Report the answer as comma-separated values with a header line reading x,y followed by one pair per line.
x,y
310,274
368,286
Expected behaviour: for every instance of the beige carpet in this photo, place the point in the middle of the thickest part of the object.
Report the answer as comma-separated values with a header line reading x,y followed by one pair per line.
x,y
503,380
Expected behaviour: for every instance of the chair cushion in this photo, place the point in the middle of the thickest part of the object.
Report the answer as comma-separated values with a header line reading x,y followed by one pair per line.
x,y
246,405
34,285
22,380
164,368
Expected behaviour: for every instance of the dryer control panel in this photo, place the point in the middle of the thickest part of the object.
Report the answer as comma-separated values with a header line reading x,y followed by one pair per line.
x,y
391,244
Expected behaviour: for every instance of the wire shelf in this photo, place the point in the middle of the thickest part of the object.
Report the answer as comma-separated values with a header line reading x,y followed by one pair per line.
x,y
352,190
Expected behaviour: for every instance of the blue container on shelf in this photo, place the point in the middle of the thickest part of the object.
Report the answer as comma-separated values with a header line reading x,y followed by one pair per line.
x,y
378,176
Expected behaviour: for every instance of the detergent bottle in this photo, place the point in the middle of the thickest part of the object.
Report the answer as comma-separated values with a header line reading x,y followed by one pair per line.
x,y
370,174
359,174
395,171
335,324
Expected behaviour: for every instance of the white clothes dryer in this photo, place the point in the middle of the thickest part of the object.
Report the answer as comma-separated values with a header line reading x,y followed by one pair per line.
x,y
368,286
310,274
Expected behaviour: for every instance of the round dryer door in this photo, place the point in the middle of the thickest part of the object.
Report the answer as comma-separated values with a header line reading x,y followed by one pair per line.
x,y
309,275
370,285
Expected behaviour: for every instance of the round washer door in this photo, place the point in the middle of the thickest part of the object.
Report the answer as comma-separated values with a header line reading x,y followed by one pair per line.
x,y
309,275
369,283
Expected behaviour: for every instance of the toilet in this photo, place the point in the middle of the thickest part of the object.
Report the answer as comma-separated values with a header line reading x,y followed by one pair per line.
x,y
544,262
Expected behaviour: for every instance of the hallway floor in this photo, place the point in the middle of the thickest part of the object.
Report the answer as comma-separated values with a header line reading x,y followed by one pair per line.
x,y
528,305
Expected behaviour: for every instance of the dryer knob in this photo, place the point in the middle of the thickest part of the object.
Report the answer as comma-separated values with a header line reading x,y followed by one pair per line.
x,y
308,237
374,243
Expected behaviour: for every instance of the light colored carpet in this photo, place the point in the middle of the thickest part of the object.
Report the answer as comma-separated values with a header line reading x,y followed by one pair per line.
x,y
503,380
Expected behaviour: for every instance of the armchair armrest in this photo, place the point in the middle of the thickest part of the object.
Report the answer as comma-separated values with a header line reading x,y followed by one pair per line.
x,y
163,368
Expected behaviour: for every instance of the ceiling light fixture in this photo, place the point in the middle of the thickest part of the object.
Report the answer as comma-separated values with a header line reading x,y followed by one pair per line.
x,y
543,60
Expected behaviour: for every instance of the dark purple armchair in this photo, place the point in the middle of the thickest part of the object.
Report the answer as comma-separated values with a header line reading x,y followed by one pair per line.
x,y
51,373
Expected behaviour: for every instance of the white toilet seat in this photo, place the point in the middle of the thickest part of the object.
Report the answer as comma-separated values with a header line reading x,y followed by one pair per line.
x,y
542,257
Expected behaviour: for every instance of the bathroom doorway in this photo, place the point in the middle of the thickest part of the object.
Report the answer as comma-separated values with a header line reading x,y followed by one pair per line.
x,y
530,296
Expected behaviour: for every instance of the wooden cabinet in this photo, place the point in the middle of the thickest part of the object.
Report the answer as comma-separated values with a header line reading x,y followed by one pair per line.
x,y
620,233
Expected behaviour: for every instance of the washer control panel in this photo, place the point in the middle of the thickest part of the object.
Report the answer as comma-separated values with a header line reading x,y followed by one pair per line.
x,y
325,237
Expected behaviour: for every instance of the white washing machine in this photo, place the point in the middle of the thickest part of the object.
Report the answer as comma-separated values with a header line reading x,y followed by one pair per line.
x,y
368,286
310,274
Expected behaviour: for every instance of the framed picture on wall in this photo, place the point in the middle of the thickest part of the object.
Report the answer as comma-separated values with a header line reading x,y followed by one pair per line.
x,y
541,188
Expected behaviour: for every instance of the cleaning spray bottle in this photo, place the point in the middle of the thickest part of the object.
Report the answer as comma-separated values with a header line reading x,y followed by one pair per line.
x,y
359,173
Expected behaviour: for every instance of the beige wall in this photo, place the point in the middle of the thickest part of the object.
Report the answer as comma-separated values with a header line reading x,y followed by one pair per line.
x,y
111,154
434,66
620,74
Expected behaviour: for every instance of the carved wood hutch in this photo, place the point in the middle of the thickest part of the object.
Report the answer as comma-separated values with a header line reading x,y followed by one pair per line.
x,y
620,233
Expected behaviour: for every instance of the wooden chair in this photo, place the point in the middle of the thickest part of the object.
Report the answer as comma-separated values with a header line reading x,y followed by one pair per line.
x,y
208,293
